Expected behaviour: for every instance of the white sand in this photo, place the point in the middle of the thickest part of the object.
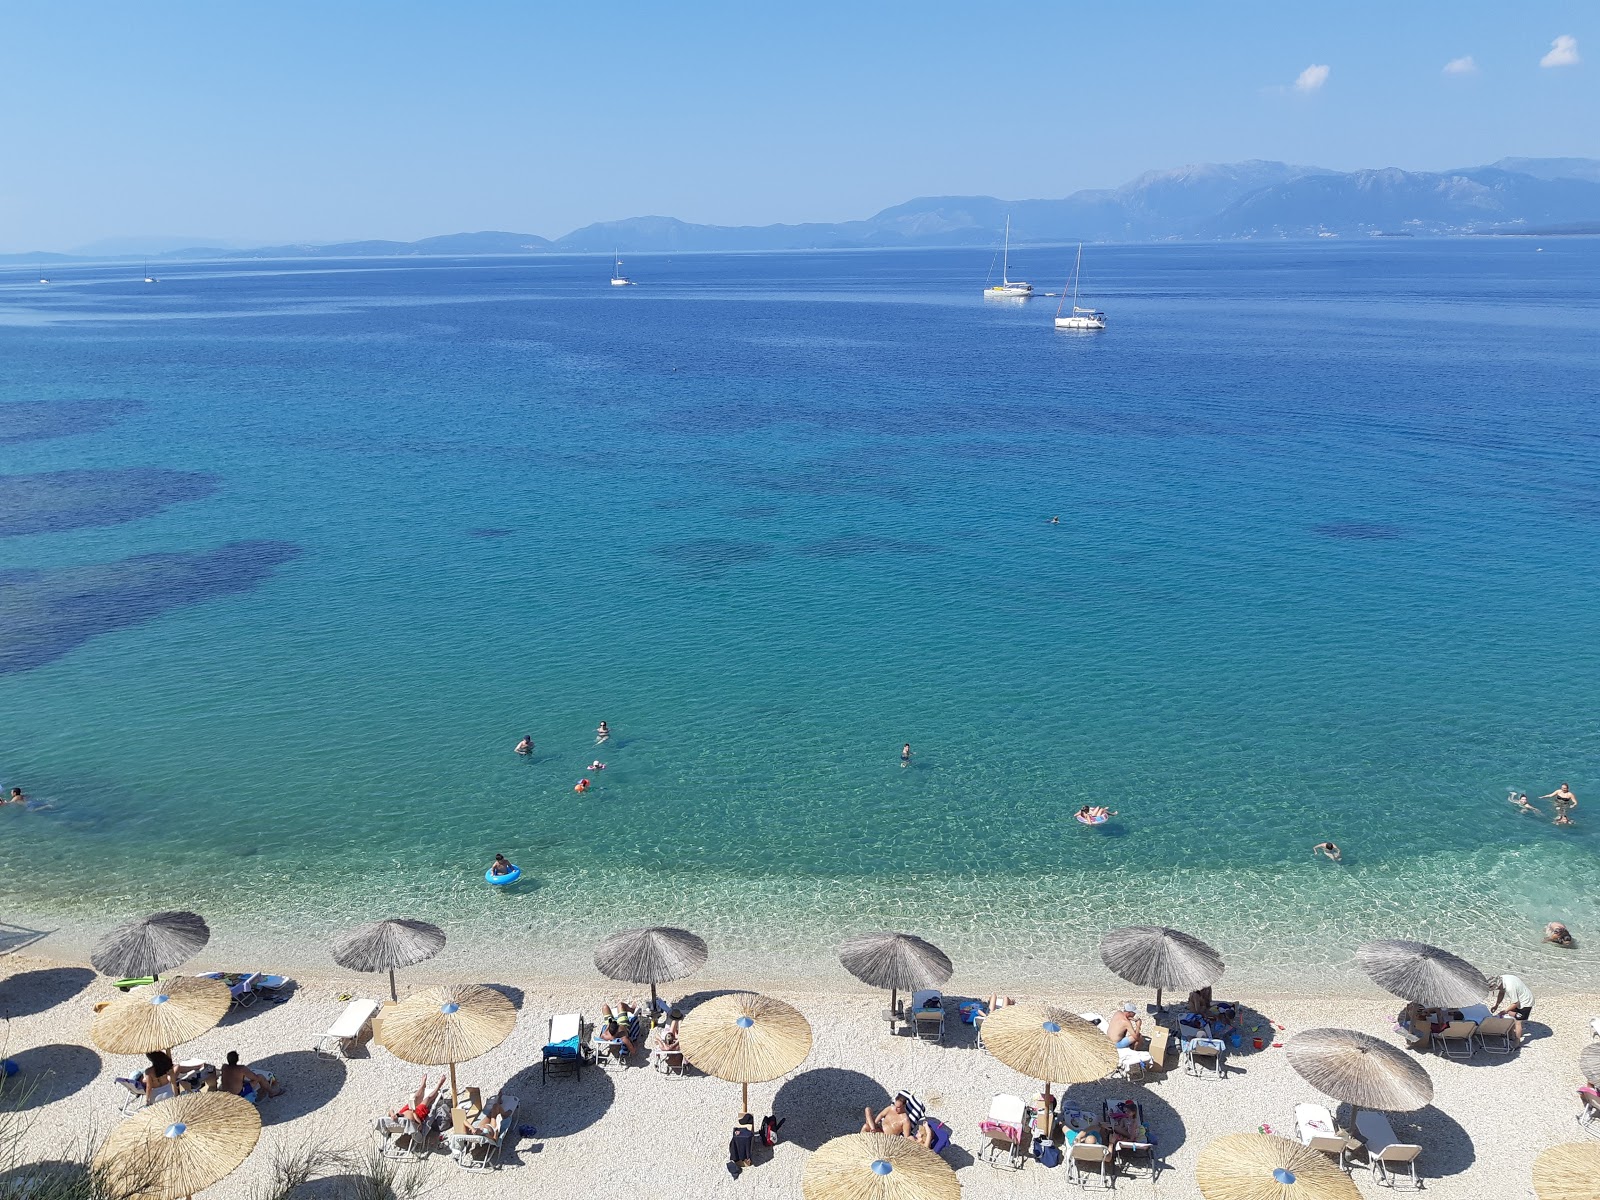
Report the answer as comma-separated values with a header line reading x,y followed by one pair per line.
x,y
637,1133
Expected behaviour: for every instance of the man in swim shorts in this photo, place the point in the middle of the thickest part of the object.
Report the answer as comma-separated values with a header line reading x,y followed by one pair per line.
x,y
500,866
1124,1029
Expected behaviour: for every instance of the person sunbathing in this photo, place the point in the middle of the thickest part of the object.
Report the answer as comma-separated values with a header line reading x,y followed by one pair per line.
x,y
159,1074
614,1034
996,1002
1124,1029
892,1120
237,1078
1125,1125
420,1107
490,1123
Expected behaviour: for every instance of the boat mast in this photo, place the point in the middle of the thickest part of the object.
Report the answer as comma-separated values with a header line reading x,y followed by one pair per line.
x,y
1076,267
1005,255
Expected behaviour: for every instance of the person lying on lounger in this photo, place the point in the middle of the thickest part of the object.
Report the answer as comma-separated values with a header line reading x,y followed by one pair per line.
x,y
897,1122
614,1033
420,1107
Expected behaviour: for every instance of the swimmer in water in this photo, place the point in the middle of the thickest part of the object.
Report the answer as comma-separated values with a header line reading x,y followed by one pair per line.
x,y
1565,803
16,797
1327,848
1096,812
597,765
1558,934
581,786
1055,520
500,866
525,746
602,734
1520,799
905,755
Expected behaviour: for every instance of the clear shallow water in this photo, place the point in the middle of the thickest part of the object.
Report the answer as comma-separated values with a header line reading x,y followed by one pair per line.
x,y
1328,515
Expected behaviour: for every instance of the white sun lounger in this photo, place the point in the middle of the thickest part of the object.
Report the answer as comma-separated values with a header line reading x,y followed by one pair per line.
x,y
1385,1151
1313,1125
345,1033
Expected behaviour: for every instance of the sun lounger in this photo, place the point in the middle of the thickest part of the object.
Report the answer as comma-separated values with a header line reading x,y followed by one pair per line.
x,y
1496,1030
1141,1148
1313,1125
1091,1159
1455,1039
480,1151
610,1052
344,1035
1005,1130
927,1015
1205,1057
668,1062
1386,1152
563,1048
405,1137
1589,1113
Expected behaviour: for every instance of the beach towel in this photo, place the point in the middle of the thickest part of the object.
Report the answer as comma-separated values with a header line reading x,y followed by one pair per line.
x,y
1000,1129
941,1135
564,1049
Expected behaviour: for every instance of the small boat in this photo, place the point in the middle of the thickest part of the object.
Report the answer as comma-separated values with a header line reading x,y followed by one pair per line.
x,y
149,278
1007,289
1079,318
618,279
43,278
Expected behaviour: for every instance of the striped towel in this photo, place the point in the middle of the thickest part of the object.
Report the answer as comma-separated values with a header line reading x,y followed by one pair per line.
x,y
915,1109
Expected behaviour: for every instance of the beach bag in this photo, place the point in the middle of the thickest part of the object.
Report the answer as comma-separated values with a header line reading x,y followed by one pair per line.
x,y
1048,1153
969,1012
769,1130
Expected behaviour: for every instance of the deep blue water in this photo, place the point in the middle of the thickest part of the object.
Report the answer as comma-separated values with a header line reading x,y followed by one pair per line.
x,y
292,553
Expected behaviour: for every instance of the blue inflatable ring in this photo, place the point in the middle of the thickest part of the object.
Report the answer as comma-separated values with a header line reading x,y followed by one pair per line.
x,y
510,876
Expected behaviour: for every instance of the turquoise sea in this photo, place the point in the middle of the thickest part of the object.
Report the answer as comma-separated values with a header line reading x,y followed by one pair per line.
x,y
292,553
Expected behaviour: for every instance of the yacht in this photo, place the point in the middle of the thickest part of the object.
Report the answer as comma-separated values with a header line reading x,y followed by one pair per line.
x,y
618,279
1079,318
149,278
1007,289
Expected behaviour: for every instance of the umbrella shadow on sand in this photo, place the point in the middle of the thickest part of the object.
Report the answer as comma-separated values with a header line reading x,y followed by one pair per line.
x,y
30,992
828,1102
1446,1147
693,998
565,1106
310,1080
51,1177
47,1074
1163,1121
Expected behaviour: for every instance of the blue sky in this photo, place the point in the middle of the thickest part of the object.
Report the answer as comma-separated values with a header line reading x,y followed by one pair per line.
x,y
313,122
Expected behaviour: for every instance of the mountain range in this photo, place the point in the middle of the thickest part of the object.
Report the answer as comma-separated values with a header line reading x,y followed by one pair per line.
x,y
1253,200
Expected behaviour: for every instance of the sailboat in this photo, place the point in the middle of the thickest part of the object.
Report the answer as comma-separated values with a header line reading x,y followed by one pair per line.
x,y
149,278
1080,318
43,278
1007,288
618,279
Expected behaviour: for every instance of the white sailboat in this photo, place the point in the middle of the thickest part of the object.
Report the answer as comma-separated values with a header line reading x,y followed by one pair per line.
x,y
1007,289
43,278
1080,318
149,278
618,279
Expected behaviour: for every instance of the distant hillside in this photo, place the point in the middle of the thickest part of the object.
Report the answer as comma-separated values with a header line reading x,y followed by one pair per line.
x,y
1210,201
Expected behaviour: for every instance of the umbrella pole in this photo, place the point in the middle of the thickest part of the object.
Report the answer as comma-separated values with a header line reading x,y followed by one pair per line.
x,y
894,1006
454,1100
393,994
652,1002
1158,999
744,1099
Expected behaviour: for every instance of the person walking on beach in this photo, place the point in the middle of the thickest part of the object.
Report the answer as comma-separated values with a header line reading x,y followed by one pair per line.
x,y
525,746
905,755
1329,849
1565,803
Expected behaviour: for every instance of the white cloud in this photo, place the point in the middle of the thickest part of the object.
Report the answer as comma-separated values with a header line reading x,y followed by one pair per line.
x,y
1314,77
1465,65
1563,52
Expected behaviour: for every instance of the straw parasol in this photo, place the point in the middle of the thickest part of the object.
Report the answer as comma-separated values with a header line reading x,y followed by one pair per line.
x,y
159,1016
151,945
1568,1172
745,1038
443,1026
877,1166
1589,1063
1049,1044
655,955
1162,958
179,1147
1260,1166
901,962
1424,973
1359,1070
387,945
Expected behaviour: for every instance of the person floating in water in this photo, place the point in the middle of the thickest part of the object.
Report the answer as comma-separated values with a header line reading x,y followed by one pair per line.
x,y
1095,813
1558,934
525,746
1055,520
602,734
905,755
1520,799
501,866
16,797
1329,849
1565,803
597,765
581,786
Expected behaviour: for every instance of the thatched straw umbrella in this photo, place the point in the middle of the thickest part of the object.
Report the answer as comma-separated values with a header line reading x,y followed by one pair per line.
x,y
388,945
1162,958
659,954
1423,973
1260,1166
159,1016
877,1166
1359,1070
901,962
177,1148
745,1038
1589,1063
1049,1044
151,945
443,1026
1568,1172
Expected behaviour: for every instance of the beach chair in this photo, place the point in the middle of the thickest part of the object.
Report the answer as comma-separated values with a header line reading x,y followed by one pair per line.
x,y
610,1052
1455,1039
1205,1057
405,1138
563,1047
927,1015
1140,1149
1386,1152
241,988
668,1062
1498,1031
1096,1161
1004,1131
344,1035
1589,1112
481,1151
1313,1125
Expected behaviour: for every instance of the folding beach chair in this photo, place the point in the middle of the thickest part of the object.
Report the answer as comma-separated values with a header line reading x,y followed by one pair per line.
x,y
1087,1160
1589,1113
1313,1125
1142,1147
1004,1130
1455,1039
1205,1057
563,1047
1498,1031
344,1035
668,1062
927,1014
481,1151
1385,1152
405,1138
